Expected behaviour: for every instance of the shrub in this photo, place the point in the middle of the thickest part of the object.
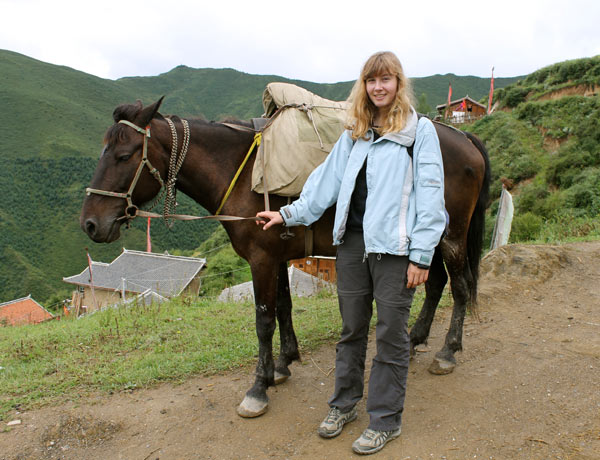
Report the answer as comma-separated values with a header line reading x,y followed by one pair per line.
x,y
584,194
514,96
525,227
531,197
567,165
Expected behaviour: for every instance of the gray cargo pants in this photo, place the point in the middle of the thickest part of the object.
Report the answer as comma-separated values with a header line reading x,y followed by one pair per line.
x,y
359,280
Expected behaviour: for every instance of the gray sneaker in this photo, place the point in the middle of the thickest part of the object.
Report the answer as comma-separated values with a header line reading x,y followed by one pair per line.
x,y
372,441
335,421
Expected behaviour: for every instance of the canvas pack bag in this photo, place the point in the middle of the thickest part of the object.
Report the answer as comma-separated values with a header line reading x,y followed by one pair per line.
x,y
300,133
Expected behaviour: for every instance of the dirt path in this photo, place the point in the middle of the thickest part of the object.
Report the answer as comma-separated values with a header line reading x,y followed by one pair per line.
x,y
527,387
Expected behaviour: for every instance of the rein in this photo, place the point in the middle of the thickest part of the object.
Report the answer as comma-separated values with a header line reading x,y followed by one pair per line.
x,y
132,211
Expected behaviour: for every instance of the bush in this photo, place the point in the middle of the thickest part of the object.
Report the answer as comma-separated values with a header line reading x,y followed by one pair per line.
x,y
525,227
584,194
567,165
531,197
515,95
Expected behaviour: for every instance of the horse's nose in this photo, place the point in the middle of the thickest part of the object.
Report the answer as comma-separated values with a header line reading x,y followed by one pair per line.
x,y
90,227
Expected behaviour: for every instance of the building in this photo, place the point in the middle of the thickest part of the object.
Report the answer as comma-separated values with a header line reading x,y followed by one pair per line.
x,y
320,267
134,273
23,311
463,110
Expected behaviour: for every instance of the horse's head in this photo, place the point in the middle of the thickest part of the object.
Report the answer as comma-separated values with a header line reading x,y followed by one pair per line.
x,y
121,181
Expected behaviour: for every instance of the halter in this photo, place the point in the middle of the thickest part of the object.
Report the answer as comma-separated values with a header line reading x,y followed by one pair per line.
x,y
132,210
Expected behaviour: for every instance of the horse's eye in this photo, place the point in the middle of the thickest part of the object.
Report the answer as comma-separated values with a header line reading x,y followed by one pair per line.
x,y
124,157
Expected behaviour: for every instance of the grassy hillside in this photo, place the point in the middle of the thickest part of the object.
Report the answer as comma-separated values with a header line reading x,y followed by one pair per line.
x,y
549,150
52,111
51,130
577,76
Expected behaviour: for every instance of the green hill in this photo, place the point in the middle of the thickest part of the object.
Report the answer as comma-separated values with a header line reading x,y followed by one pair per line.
x,y
51,130
545,144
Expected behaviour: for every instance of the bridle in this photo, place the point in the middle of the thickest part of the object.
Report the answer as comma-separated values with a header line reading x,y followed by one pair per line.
x,y
131,211
176,160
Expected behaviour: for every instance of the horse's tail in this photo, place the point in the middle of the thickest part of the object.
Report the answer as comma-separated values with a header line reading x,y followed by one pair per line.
x,y
476,230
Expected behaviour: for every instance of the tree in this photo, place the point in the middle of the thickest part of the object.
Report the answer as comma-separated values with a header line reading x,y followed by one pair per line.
x,y
422,105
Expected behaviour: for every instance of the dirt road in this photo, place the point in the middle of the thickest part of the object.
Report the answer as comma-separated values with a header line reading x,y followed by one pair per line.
x,y
527,387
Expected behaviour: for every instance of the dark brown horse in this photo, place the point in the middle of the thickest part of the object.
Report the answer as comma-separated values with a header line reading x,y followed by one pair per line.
x,y
215,153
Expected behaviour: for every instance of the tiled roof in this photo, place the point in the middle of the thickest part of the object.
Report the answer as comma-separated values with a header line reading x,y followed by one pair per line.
x,y
23,311
138,271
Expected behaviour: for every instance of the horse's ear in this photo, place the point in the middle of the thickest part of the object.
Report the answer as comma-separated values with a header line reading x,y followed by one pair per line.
x,y
148,113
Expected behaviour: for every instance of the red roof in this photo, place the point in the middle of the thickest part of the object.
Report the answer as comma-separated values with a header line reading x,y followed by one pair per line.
x,y
23,311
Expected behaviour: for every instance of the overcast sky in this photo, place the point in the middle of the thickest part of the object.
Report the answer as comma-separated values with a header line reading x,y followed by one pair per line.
x,y
322,41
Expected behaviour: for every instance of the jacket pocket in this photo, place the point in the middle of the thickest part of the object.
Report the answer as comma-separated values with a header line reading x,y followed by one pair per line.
x,y
430,175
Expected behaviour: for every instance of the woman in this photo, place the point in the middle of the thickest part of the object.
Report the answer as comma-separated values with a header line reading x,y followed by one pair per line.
x,y
389,219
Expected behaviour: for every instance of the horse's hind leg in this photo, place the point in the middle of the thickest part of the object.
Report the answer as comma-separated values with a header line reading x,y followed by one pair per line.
x,y
434,287
264,277
460,282
289,345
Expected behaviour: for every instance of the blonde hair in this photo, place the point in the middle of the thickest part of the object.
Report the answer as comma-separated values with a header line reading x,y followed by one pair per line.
x,y
362,110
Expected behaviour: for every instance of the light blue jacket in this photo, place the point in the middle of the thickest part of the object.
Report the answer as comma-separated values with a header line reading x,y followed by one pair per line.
x,y
404,211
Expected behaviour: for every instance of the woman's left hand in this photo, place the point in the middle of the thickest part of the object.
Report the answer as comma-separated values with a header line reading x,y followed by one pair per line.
x,y
416,275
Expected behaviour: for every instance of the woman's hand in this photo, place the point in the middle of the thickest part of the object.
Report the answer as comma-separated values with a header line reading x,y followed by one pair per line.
x,y
416,275
273,218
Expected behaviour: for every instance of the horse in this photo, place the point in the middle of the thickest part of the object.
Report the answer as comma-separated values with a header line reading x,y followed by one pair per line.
x,y
216,150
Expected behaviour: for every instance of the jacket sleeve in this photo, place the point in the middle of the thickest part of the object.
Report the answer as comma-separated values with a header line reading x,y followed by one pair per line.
x,y
429,195
322,187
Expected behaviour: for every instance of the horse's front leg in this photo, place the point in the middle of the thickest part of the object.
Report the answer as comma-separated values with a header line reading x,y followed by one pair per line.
x,y
264,278
289,344
444,361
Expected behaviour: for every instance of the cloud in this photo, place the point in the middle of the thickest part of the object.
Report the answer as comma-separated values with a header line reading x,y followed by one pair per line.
x,y
321,41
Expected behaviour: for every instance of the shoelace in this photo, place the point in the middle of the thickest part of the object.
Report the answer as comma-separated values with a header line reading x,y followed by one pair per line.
x,y
372,434
334,413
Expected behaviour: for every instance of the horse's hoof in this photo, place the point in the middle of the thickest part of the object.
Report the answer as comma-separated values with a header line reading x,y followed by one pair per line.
x,y
279,378
441,366
252,407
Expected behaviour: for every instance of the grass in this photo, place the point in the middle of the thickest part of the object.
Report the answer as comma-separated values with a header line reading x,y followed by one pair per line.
x,y
127,348
567,230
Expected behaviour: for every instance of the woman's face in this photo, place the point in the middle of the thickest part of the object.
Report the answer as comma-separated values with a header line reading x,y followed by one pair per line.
x,y
382,90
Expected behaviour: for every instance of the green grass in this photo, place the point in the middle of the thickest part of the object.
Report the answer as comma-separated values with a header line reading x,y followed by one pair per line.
x,y
127,348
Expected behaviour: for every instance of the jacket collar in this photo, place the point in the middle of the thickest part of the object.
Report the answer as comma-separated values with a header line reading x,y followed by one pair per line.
x,y
406,136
